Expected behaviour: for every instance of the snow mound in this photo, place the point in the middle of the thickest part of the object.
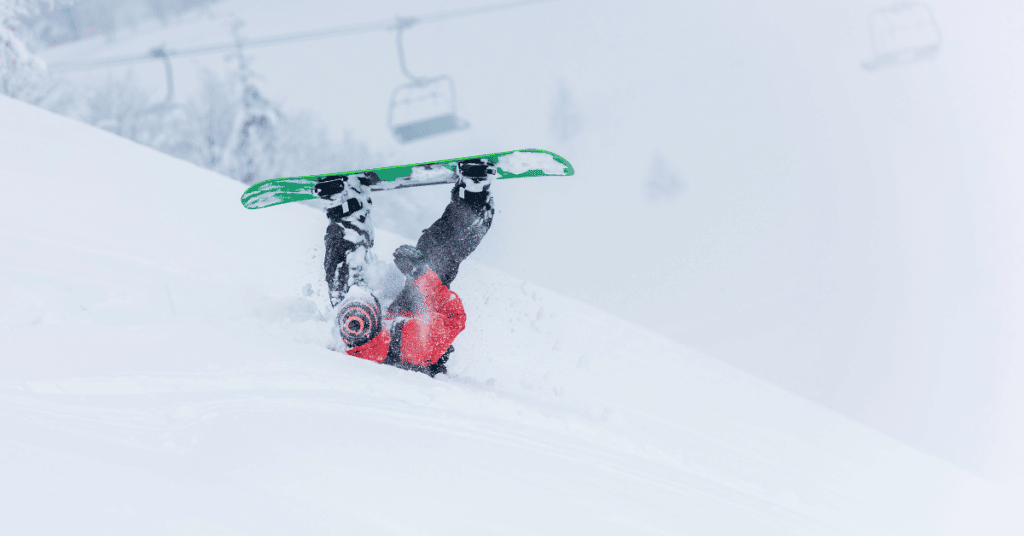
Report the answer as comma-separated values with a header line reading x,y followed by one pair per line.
x,y
165,371
520,162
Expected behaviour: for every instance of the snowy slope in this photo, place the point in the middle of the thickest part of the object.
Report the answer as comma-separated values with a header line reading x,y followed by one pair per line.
x,y
852,236
164,372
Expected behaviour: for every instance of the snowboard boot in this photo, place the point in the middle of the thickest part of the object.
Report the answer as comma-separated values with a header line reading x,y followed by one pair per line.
x,y
474,179
451,238
349,237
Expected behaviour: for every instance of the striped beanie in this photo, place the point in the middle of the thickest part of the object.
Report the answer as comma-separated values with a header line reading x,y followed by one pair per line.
x,y
359,317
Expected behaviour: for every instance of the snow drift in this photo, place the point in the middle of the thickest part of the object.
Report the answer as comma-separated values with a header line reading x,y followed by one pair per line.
x,y
165,371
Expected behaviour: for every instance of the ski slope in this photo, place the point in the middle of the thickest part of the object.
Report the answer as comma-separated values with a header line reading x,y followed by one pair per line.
x,y
165,371
853,236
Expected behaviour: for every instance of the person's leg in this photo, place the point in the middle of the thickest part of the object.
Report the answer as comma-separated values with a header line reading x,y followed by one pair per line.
x,y
443,246
457,233
449,240
349,236
343,259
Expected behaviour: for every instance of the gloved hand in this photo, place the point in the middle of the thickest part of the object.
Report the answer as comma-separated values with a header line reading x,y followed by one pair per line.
x,y
410,261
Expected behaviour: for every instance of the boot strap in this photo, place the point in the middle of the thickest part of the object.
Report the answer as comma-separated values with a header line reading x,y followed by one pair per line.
x,y
343,211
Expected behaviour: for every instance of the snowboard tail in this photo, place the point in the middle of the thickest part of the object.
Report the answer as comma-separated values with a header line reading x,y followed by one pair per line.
x,y
510,165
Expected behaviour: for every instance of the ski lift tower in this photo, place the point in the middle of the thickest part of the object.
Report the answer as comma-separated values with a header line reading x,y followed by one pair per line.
x,y
424,106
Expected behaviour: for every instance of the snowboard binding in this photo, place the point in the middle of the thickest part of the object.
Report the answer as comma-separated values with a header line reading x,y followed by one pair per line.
x,y
474,178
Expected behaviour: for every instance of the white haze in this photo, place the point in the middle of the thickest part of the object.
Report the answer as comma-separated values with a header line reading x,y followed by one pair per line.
x,y
853,236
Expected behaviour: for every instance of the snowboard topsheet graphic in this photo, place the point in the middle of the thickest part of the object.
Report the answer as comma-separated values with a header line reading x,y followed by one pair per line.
x,y
510,164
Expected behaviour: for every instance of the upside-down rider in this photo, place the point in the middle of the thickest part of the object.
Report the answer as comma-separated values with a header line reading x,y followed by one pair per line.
x,y
402,314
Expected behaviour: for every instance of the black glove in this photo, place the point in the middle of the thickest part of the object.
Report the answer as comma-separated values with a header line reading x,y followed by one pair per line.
x,y
439,367
410,261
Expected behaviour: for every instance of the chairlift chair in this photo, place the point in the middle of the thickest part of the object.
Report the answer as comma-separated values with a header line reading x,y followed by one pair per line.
x,y
424,106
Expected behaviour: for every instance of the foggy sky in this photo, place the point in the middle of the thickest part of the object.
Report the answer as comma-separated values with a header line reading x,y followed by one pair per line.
x,y
851,234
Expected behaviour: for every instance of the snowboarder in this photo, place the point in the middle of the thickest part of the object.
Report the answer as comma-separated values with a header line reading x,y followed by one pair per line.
x,y
402,314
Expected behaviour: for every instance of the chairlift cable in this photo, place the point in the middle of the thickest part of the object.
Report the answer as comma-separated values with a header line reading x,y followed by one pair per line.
x,y
159,52
397,24
399,31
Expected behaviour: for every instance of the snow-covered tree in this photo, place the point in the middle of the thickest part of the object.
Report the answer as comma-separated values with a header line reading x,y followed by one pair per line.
x,y
229,126
87,18
22,73
119,106
212,111
253,145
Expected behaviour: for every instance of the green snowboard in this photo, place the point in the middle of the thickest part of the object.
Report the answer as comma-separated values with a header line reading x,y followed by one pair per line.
x,y
510,164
